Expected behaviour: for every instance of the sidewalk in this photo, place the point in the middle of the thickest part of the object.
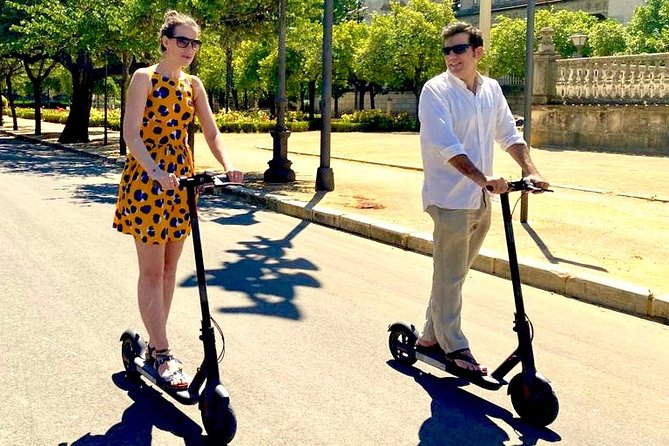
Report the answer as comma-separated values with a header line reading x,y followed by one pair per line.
x,y
602,237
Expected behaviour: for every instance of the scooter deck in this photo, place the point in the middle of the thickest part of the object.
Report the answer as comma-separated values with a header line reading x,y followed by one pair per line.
x,y
186,396
437,359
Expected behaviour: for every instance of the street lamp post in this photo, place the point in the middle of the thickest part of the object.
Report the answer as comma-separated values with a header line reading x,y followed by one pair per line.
x,y
279,166
324,174
579,39
105,138
527,108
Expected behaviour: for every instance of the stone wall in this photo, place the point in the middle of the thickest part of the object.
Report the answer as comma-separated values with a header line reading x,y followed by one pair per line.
x,y
637,129
391,102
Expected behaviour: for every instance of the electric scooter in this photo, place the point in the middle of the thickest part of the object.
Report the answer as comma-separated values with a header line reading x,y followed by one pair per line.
x,y
531,394
205,389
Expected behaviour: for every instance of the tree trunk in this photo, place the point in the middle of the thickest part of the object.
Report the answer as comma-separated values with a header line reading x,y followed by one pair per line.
x,y
36,78
191,125
76,127
126,59
361,96
312,99
2,110
10,98
372,95
228,77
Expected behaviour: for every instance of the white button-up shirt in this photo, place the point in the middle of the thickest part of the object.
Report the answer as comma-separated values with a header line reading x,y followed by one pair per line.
x,y
455,121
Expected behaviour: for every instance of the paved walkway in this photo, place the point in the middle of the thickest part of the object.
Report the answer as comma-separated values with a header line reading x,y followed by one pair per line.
x,y
602,237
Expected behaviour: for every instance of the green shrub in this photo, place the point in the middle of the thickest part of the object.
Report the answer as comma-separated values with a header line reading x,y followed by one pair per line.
x,y
378,121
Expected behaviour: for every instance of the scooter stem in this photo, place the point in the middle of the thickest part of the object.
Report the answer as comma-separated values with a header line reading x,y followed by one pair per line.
x,y
209,364
521,325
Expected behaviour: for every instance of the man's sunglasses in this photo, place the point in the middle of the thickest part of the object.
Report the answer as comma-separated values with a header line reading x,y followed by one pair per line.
x,y
457,49
182,42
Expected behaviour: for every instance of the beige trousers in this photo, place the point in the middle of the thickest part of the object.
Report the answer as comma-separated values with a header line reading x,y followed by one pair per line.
x,y
458,236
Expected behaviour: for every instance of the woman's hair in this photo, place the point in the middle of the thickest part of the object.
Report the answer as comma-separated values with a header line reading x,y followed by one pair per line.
x,y
172,19
475,35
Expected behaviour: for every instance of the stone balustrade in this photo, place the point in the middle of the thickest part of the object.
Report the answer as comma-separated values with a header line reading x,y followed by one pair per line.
x,y
629,79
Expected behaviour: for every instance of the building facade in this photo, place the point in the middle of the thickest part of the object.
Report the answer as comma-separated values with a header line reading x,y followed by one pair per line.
x,y
620,10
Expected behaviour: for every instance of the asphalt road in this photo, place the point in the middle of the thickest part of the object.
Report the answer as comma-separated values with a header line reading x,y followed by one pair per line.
x,y
305,311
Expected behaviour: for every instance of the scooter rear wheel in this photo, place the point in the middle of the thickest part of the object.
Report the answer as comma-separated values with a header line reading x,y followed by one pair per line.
x,y
218,417
535,402
402,344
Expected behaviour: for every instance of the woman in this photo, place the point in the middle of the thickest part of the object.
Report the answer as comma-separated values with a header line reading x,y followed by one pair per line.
x,y
162,101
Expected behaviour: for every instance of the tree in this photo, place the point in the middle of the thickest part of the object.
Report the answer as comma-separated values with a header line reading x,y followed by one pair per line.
x,y
35,57
649,27
347,37
608,38
412,42
506,54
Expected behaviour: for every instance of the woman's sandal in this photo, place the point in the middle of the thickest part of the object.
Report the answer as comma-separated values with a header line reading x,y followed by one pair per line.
x,y
176,380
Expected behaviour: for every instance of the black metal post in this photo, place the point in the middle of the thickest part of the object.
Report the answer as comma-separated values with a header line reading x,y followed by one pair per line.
x,y
529,79
279,166
324,174
106,71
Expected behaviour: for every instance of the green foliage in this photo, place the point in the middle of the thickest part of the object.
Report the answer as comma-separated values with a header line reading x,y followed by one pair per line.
x,y
608,38
507,38
402,50
649,27
378,121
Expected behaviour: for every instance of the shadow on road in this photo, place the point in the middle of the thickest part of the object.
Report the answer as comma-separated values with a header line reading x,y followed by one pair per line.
x,y
263,271
459,417
148,410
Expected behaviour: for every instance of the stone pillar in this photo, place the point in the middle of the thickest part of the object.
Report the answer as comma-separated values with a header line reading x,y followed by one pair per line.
x,y
545,69
389,104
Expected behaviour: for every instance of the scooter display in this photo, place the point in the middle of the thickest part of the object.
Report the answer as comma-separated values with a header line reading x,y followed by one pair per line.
x,y
206,388
531,394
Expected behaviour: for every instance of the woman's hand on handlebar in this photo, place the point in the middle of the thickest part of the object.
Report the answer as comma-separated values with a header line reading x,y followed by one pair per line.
x,y
166,180
235,176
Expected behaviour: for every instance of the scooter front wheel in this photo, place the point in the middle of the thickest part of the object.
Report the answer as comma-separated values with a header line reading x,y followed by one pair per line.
x,y
218,417
535,402
402,343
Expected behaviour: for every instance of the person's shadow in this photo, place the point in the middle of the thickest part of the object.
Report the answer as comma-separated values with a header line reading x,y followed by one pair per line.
x,y
461,418
148,410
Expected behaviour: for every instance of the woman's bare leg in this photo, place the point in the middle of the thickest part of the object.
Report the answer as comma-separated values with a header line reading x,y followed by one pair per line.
x,y
172,254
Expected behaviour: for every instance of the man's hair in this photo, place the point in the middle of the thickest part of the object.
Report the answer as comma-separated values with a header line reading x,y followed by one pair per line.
x,y
172,19
475,35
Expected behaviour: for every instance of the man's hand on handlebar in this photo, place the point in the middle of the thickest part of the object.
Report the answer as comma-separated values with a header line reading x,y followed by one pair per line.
x,y
496,185
235,176
537,181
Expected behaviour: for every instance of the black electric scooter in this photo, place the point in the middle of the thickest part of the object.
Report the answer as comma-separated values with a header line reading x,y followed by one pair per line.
x,y
531,394
206,389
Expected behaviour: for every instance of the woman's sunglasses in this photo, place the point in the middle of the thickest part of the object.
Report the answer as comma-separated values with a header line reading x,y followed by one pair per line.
x,y
182,42
457,49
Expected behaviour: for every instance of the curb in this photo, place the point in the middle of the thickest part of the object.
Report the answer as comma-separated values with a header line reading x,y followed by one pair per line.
x,y
609,293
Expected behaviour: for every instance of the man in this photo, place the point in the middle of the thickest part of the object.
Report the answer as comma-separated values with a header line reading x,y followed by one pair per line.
x,y
462,114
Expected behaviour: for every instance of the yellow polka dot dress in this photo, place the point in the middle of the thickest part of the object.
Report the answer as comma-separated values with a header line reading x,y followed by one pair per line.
x,y
143,210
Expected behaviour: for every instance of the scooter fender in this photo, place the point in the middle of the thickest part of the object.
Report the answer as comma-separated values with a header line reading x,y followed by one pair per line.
x,y
132,333
537,379
409,327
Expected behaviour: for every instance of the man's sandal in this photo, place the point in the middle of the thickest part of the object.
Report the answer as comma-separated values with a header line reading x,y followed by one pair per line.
x,y
460,355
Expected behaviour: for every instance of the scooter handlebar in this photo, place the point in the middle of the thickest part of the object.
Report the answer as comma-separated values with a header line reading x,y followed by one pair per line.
x,y
523,185
207,182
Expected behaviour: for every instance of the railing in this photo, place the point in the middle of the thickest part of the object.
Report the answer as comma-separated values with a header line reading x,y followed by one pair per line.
x,y
633,79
